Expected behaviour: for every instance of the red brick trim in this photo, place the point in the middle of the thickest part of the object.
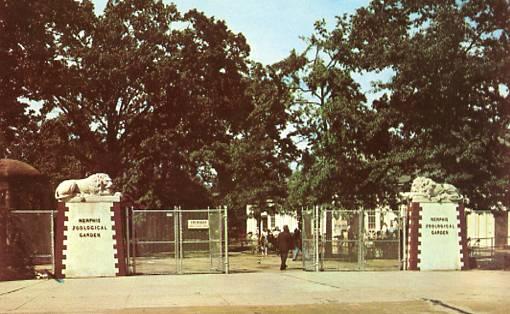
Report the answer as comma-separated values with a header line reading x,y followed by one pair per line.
x,y
461,217
59,239
414,235
120,257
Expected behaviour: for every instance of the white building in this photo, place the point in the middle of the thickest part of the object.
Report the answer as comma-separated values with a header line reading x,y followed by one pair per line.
x,y
270,222
374,220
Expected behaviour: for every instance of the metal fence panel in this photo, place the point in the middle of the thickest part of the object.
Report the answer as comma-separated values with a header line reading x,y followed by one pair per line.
x,y
33,230
196,255
351,239
341,234
381,241
216,241
482,252
154,245
175,241
308,240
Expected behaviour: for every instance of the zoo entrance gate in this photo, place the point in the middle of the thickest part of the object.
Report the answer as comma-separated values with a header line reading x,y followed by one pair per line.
x,y
176,241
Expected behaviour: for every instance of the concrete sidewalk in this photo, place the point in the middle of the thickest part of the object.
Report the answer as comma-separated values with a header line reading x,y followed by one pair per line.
x,y
294,291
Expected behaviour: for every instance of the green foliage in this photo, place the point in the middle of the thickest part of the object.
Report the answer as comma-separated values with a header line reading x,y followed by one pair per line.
x,y
343,135
170,106
449,93
444,113
166,103
261,154
30,33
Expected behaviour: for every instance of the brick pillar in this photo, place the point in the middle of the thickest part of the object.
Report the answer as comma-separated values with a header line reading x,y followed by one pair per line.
x,y
461,225
118,225
59,240
413,236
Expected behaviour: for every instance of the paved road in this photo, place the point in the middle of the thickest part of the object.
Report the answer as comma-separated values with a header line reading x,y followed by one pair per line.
x,y
284,292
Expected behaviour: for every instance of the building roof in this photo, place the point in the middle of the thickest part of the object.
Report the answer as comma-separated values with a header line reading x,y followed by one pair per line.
x,y
10,168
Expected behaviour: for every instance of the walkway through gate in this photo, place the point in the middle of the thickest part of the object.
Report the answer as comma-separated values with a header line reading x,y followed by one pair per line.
x,y
351,239
176,241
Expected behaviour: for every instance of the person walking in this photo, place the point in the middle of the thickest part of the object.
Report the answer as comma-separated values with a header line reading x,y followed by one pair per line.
x,y
297,244
264,242
284,245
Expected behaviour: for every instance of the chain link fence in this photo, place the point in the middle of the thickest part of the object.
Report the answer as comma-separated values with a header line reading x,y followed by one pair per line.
x,y
351,239
31,235
485,254
176,241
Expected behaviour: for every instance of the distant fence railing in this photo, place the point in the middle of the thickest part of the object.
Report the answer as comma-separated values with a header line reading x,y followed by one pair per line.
x,y
485,254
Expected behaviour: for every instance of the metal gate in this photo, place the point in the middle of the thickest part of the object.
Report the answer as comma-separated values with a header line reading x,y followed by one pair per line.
x,y
176,241
351,239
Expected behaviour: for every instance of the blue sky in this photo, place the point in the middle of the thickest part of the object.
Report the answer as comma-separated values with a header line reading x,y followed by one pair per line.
x,y
274,27
271,27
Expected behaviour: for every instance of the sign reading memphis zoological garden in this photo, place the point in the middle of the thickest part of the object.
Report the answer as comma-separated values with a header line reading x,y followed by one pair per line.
x,y
89,229
439,244
437,228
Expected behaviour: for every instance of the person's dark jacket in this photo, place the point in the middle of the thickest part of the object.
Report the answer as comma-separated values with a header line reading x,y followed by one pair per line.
x,y
297,238
284,241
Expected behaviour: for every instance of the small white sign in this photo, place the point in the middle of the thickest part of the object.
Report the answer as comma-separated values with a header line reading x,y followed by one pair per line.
x,y
198,224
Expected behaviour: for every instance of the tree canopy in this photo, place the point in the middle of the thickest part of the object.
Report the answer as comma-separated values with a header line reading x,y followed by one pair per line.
x,y
171,106
29,35
444,112
165,102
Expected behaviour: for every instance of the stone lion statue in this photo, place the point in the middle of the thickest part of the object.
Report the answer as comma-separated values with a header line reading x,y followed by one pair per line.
x,y
96,184
435,192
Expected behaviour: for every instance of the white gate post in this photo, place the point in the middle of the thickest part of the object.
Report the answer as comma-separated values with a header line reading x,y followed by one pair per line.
x,y
128,242
225,226
404,240
316,236
361,242
52,241
181,253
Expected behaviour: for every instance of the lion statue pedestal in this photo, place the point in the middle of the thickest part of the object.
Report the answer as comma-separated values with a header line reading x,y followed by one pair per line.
x,y
89,229
436,227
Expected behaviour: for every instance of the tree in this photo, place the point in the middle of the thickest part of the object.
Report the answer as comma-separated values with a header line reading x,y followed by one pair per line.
x,y
444,113
143,90
259,157
343,135
448,100
164,102
29,34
